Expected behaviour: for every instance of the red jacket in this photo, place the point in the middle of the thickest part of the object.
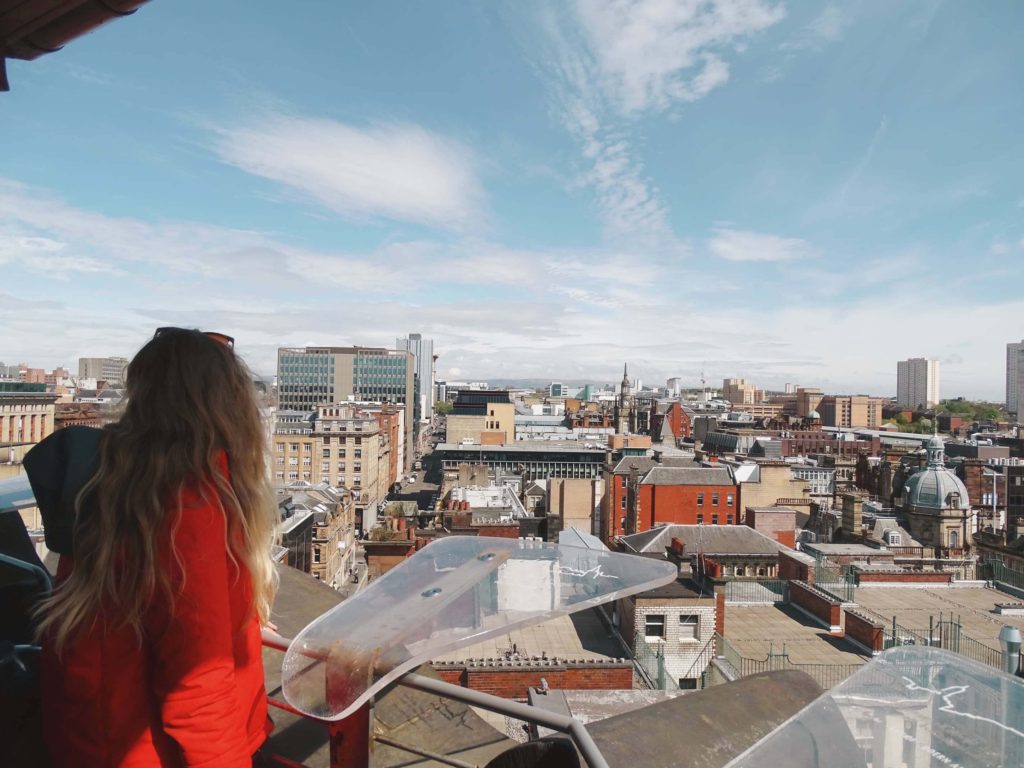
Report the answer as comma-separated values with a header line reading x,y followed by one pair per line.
x,y
192,694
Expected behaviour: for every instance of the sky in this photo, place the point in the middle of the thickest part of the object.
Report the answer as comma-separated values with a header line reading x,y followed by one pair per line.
x,y
790,192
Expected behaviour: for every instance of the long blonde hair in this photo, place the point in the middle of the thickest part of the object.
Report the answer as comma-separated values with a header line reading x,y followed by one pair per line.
x,y
189,401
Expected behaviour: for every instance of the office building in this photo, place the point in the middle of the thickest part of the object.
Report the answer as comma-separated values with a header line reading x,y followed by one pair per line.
x,y
851,411
308,377
740,392
1014,375
423,362
108,369
917,383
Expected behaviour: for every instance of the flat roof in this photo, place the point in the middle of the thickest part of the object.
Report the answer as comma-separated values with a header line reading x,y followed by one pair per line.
x,y
709,539
845,549
754,630
912,607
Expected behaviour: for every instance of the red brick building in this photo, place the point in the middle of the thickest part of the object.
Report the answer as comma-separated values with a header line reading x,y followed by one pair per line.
x,y
616,482
669,421
685,496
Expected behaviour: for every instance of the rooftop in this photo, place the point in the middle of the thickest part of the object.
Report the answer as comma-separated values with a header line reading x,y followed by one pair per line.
x,y
708,539
660,475
756,630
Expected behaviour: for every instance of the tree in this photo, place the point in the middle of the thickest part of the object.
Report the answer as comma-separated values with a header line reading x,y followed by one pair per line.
x,y
443,408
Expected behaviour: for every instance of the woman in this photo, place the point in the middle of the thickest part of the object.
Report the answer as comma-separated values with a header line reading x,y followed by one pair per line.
x,y
152,652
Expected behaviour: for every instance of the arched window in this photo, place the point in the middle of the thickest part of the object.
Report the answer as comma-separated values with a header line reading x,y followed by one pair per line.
x,y
954,540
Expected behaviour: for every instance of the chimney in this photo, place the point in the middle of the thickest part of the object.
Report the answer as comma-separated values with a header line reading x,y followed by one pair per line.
x,y
657,457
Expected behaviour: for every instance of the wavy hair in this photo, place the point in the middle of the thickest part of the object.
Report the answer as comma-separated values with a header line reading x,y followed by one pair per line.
x,y
190,400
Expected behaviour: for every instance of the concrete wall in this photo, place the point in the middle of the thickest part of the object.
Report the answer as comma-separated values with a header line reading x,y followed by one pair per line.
x,y
573,499
777,482
459,428
903,577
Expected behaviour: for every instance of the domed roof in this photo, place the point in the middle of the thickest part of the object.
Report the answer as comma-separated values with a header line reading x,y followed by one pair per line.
x,y
813,415
935,444
934,488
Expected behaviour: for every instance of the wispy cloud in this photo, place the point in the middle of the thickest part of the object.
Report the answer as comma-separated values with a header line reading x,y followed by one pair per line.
x,y
390,171
611,61
651,54
825,28
743,245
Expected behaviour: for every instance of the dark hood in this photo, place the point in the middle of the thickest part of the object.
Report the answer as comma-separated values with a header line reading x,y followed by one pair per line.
x,y
57,469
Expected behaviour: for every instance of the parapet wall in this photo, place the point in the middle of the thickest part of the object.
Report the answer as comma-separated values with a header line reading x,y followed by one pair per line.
x,y
818,604
512,678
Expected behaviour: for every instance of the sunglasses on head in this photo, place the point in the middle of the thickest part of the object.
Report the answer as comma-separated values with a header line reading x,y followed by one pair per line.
x,y
221,338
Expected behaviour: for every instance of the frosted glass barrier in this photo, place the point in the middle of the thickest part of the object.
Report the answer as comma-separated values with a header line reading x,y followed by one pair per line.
x,y
454,592
913,707
16,493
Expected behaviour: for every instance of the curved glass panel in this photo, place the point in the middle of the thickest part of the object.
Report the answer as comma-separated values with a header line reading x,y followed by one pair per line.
x,y
916,707
455,592
16,493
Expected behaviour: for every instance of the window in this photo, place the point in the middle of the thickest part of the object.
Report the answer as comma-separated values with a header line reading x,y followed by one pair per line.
x,y
728,519
280,447
689,626
307,447
740,571
623,502
687,683
326,453
293,446
714,499
654,626
728,500
714,519
358,453
316,554
700,499
280,461
700,519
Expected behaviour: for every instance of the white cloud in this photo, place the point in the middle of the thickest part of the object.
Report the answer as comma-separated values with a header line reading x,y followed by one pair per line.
x,y
653,53
743,245
390,171
611,60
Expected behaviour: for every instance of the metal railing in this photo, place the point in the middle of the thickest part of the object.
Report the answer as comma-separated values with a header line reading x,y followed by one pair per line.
x,y
825,675
946,633
650,655
756,592
350,737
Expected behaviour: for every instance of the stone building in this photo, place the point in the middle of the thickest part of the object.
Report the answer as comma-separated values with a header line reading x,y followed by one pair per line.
x,y
936,504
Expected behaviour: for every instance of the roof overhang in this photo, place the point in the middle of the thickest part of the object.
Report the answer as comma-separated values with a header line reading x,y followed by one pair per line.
x,y
31,28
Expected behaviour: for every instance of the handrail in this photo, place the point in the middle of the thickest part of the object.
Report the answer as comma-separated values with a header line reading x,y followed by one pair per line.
x,y
563,723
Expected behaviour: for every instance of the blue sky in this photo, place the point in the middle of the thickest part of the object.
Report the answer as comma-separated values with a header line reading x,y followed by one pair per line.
x,y
785,191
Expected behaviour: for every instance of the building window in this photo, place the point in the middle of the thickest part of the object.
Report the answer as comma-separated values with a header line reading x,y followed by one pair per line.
x,y
689,626
728,519
728,500
293,446
714,519
700,499
740,571
700,518
280,447
326,453
687,683
316,554
654,626
623,504
714,499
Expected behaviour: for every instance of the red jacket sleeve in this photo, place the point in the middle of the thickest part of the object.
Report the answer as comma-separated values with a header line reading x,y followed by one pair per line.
x,y
194,664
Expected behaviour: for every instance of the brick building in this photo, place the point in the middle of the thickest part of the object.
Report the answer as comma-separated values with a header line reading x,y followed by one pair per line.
x,y
682,495
616,479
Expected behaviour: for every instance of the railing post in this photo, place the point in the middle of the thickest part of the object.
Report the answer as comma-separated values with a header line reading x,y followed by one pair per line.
x,y
350,740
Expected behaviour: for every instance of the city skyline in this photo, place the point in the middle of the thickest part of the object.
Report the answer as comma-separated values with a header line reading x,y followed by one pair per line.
x,y
764,190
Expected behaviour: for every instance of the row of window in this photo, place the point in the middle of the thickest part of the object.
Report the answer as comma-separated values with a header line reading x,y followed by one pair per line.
x,y
688,626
